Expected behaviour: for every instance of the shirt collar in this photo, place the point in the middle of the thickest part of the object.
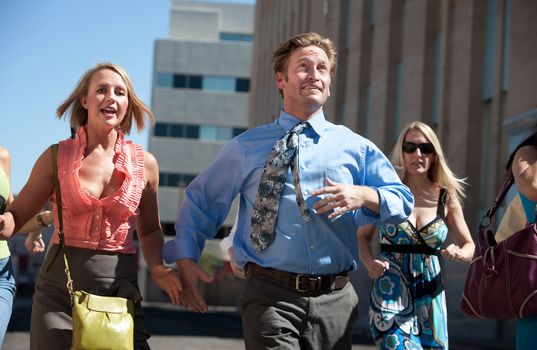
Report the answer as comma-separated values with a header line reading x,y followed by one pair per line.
x,y
318,122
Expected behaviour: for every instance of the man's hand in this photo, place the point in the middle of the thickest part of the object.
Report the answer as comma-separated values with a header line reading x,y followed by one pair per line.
x,y
342,198
189,274
168,281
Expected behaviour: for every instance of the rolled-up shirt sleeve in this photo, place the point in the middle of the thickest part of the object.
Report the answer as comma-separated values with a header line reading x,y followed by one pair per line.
x,y
395,199
208,199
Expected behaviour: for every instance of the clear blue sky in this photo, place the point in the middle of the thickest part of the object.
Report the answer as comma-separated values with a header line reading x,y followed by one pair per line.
x,y
45,47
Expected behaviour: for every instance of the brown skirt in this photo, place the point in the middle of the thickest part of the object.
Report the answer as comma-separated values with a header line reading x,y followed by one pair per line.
x,y
102,273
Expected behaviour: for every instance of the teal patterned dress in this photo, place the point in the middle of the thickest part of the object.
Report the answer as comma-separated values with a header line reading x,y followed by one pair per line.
x,y
407,303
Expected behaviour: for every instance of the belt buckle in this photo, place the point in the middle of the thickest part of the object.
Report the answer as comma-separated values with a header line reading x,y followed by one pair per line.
x,y
309,278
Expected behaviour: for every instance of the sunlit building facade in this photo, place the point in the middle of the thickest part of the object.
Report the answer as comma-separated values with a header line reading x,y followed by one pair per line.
x,y
201,83
465,67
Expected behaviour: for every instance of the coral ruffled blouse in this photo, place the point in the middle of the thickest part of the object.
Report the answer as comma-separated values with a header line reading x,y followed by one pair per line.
x,y
105,224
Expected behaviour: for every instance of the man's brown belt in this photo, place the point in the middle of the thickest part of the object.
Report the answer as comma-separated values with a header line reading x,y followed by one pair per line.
x,y
301,283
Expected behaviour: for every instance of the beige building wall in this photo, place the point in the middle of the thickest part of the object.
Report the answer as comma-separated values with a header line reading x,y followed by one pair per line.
x,y
466,67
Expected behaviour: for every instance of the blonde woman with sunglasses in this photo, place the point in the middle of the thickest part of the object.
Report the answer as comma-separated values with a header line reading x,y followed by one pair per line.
x,y
408,304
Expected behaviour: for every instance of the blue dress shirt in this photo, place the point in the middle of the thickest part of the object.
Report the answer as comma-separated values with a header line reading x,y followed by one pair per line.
x,y
321,246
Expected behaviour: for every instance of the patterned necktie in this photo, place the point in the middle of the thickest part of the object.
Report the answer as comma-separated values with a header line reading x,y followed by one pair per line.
x,y
271,186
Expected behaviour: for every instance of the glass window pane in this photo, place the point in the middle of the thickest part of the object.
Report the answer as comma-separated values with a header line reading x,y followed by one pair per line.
x,y
177,130
210,83
173,180
179,81
243,85
164,79
238,131
208,132
163,179
194,82
187,179
236,37
161,129
218,83
224,133
192,131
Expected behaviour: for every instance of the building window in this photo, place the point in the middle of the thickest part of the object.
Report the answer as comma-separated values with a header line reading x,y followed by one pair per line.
x,y
208,132
238,131
490,48
367,110
506,43
372,12
168,228
179,81
437,78
209,83
161,129
398,100
202,132
243,85
165,80
175,130
236,37
218,83
195,82
175,179
192,132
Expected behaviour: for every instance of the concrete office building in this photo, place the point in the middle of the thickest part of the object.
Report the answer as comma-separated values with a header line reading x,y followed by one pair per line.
x,y
201,79
466,67
201,83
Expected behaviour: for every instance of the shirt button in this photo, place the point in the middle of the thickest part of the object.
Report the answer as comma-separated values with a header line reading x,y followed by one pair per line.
x,y
97,228
312,247
97,216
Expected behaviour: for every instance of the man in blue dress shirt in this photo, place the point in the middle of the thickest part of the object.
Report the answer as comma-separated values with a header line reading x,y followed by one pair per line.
x,y
297,293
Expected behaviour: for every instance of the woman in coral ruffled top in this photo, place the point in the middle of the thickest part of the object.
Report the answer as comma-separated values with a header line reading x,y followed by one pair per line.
x,y
109,190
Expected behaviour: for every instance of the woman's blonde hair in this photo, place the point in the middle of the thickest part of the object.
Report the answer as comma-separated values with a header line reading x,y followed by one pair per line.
x,y
78,115
439,171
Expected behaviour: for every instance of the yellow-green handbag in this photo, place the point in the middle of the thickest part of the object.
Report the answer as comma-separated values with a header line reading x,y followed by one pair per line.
x,y
102,322
99,322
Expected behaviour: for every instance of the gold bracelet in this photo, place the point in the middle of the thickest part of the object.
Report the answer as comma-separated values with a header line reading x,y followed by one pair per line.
x,y
40,221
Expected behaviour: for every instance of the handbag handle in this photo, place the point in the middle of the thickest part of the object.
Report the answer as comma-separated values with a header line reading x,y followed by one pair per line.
x,y
507,183
58,192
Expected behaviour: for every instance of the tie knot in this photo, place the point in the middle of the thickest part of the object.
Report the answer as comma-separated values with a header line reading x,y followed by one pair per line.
x,y
297,129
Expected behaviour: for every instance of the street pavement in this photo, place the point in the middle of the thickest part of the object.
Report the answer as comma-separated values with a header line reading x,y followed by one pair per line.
x,y
171,327
174,327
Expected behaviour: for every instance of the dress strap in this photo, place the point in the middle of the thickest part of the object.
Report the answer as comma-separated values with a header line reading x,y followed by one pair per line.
x,y
440,208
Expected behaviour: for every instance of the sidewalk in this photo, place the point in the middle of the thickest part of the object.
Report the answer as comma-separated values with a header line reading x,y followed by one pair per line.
x,y
174,327
21,341
171,327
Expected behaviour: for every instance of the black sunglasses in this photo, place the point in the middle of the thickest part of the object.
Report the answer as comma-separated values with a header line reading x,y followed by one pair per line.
x,y
411,147
3,205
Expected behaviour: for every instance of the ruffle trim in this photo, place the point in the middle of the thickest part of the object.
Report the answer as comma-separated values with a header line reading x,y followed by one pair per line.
x,y
129,160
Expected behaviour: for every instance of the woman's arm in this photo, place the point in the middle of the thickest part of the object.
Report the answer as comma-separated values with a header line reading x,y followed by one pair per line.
x,y
525,171
38,222
458,229
150,233
5,163
32,197
375,267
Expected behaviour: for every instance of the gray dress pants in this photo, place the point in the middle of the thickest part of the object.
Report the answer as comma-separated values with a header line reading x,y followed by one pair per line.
x,y
275,317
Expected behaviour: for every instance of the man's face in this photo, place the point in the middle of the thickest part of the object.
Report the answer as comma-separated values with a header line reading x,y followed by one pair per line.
x,y
307,84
